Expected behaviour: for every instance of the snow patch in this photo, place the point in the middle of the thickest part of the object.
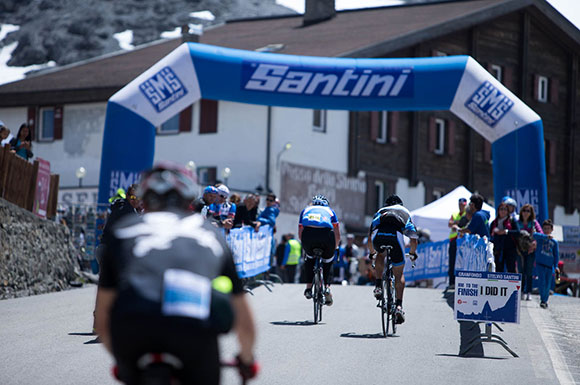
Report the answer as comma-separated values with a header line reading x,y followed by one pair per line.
x,y
125,39
5,29
203,15
10,74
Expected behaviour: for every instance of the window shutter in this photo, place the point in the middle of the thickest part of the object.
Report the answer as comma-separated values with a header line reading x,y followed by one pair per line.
x,y
393,126
535,88
208,117
552,157
185,119
375,125
508,77
486,150
31,121
554,87
432,134
451,137
58,118
212,175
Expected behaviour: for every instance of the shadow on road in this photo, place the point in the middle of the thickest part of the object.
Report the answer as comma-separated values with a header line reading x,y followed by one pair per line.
x,y
468,331
295,323
368,336
470,356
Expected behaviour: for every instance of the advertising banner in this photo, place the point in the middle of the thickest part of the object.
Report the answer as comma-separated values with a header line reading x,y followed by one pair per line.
x,y
487,297
570,255
433,262
251,249
42,188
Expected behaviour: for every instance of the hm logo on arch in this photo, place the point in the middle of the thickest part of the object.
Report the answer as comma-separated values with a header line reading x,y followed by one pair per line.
x,y
523,196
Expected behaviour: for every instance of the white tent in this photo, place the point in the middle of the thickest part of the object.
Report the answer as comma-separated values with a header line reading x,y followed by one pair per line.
x,y
435,216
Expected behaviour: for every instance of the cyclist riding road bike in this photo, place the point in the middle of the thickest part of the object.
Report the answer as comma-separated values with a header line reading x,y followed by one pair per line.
x,y
387,229
168,285
318,228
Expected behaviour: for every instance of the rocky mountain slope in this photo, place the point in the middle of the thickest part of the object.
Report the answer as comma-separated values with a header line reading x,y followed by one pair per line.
x,y
67,31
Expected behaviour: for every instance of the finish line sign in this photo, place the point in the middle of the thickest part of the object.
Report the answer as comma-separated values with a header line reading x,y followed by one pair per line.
x,y
487,296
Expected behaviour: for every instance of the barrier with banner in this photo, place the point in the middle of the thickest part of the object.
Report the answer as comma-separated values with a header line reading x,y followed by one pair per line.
x,y
251,249
473,254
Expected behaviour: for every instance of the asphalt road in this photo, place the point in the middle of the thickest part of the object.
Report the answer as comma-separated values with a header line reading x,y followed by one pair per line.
x,y
46,340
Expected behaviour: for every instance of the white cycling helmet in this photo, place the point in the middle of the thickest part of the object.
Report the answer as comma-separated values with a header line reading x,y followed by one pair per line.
x,y
223,191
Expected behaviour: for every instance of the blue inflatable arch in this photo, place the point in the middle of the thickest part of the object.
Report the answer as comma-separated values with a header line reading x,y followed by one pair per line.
x,y
455,83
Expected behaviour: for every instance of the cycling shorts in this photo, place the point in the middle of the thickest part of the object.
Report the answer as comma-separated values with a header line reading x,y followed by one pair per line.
x,y
319,238
136,335
383,236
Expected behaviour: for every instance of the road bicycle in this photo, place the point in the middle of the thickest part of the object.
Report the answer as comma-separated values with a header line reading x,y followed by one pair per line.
x,y
318,285
388,303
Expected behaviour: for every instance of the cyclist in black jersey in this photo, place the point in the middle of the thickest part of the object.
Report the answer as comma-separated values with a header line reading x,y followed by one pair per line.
x,y
168,284
387,228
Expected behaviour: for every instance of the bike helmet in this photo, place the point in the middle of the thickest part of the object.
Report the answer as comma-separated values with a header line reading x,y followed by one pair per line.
x,y
319,200
393,200
167,185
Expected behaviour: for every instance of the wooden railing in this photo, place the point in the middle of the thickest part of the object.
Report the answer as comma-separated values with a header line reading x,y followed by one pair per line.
x,y
18,182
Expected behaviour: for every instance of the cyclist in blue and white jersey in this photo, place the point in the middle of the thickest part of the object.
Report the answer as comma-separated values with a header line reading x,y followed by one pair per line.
x,y
387,228
318,227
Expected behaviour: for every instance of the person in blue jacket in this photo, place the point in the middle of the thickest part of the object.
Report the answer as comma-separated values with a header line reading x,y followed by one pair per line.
x,y
479,223
546,260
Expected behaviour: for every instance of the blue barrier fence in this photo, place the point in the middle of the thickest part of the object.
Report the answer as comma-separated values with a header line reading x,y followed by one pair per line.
x,y
473,254
251,249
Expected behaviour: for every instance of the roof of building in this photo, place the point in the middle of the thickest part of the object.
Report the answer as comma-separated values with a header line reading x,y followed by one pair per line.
x,y
367,32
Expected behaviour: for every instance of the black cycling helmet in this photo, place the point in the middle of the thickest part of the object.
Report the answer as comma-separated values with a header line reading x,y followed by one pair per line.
x,y
319,200
393,200
167,185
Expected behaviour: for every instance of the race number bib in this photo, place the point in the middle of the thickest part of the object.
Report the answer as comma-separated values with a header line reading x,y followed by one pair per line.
x,y
186,294
314,217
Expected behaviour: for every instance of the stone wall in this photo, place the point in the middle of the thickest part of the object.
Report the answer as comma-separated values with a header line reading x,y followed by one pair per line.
x,y
36,255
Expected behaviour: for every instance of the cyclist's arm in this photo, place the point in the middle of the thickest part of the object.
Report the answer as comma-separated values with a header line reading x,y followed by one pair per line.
x,y
370,242
336,228
105,299
244,328
413,246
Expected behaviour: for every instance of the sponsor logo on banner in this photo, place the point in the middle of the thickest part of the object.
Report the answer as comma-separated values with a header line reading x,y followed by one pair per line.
x,y
163,89
489,104
122,179
316,81
523,196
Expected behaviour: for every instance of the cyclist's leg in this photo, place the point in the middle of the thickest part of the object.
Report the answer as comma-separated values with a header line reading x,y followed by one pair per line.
x,y
398,259
308,240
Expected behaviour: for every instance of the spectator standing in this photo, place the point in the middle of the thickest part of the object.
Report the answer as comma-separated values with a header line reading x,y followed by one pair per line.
x,y
528,223
501,225
222,210
546,260
512,205
22,144
292,254
5,135
201,204
246,213
235,199
479,223
270,213
280,254
453,224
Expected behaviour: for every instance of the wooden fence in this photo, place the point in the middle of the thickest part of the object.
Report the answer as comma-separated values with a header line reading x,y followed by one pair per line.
x,y
18,182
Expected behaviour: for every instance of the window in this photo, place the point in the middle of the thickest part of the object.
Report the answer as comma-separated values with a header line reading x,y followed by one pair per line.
x,y
319,120
379,194
46,129
382,135
439,136
542,95
206,175
497,72
169,127
208,117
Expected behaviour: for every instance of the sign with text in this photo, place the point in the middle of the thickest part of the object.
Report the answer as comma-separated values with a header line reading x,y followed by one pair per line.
x,y
571,234
251,249
487,296
42,188
570,255
347,196
432,261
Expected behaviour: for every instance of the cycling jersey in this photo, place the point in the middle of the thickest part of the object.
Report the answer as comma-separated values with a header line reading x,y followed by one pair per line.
x,y
318,216
397,218
222,211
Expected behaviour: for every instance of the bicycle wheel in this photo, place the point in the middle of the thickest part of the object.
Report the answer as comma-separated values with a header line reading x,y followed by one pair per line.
x,y
384,312
315,297
392,302
321,298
